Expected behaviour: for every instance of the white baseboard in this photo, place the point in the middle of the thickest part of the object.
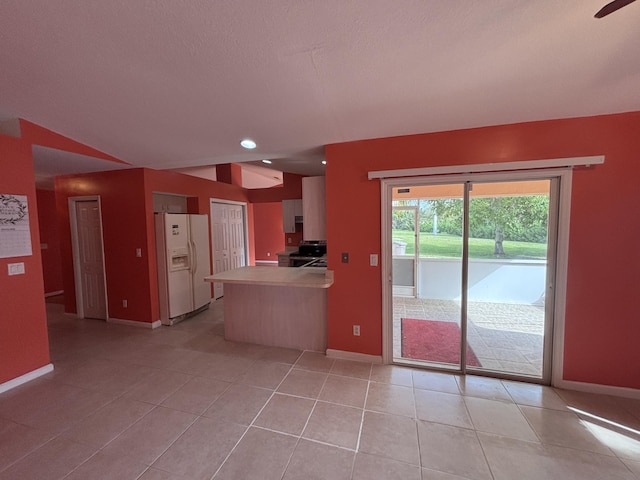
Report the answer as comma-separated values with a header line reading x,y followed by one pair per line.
x,y
53,294
133,323
267,263
599,389
27,377
354,356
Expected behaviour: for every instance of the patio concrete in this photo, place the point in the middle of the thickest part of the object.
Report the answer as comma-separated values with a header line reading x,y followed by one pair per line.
x,y
505,337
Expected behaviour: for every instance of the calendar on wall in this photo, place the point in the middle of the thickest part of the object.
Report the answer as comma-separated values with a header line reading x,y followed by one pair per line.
x,y
15,236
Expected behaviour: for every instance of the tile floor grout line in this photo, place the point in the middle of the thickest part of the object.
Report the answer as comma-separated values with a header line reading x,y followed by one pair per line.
x,y
251,424
488,447
364,406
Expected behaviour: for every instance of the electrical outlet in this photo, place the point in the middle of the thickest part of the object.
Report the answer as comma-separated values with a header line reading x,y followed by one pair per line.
x,y
138,252
356,330
268,254
289,239
125,304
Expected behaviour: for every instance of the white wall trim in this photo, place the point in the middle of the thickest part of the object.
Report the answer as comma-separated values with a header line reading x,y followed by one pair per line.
x,y
53,294
353,356
599,389
134,323
489,167
27,377
561,275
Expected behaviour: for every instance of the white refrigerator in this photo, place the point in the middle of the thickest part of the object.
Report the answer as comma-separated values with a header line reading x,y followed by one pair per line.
x,y
182,253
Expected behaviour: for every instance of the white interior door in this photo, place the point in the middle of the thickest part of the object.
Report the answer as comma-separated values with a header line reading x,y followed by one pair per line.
x,y
228,230
90,261
236,236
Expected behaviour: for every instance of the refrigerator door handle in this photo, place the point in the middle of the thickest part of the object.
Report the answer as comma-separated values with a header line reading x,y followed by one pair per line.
x,y
194,257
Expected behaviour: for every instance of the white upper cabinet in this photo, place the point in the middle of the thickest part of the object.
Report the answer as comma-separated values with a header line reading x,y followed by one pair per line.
x,y
290,210
314,208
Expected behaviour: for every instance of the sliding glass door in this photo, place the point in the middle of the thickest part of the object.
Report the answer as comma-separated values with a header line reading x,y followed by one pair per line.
x,y
485,251
428,322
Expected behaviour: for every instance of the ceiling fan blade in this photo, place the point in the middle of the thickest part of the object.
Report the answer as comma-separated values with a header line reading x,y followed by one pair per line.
x,y
612,7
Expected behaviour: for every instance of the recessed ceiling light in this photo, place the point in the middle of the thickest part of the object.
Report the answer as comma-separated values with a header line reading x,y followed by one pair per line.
x,y
266,161
324,162
248,144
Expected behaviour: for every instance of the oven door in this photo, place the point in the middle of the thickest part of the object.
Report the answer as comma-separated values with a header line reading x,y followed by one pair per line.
x,y
295,261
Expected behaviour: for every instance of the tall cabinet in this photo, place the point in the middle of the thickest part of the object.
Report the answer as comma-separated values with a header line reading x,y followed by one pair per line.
x,y
314,208
290,210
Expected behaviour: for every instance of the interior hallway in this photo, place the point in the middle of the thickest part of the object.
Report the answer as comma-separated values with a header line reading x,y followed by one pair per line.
x,y
182,403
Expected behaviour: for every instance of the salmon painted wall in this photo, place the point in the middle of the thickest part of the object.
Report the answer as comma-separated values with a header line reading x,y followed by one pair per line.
x,y
293,239
290,189
127,215
123,208
24,344
49,237
268,222
601,325
37,135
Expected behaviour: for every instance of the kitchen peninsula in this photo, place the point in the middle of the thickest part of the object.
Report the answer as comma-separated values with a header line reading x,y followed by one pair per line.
x,y
281,307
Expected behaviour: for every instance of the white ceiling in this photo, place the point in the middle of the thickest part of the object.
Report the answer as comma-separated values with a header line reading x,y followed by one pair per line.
x,y
178,83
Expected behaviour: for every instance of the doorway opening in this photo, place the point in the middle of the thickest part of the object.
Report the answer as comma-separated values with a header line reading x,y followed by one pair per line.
x,y
481,251
88,257
229,238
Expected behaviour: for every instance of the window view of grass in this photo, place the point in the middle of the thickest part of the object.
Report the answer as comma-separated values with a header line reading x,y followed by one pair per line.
x,y
500,226
445,245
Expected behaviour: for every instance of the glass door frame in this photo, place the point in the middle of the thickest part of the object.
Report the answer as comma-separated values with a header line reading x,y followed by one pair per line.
x,y
556,269
416,243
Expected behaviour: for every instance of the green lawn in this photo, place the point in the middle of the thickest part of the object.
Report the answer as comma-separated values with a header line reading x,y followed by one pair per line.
x,y
443,245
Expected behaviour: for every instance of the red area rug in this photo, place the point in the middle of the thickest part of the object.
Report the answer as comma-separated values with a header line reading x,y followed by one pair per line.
x,y
433,341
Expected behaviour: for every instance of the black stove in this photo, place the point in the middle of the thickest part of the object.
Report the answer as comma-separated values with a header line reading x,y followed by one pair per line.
x,y
310,253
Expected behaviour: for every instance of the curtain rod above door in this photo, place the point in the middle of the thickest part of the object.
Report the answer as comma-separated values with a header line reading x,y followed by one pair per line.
x,y
489,167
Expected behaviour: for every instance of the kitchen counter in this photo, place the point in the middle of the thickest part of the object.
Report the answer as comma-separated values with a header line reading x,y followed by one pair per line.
x,y
284,277
281,307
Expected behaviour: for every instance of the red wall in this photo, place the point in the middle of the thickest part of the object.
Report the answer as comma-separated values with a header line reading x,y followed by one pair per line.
x,y
48,224
268,221
290,189
127,218
24,345
37,135
124,227
601,325
294,239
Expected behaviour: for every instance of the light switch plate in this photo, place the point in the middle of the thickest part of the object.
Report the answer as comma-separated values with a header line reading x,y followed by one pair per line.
x,y
373,259
16,268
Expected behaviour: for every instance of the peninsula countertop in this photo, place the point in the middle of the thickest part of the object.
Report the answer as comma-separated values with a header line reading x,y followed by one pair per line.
x,y
276,276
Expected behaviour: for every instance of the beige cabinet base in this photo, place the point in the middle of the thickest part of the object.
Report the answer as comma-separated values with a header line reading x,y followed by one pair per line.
x,y
278,316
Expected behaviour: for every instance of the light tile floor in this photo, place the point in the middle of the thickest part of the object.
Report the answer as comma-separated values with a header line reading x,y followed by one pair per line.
x,y
504,337
182,403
